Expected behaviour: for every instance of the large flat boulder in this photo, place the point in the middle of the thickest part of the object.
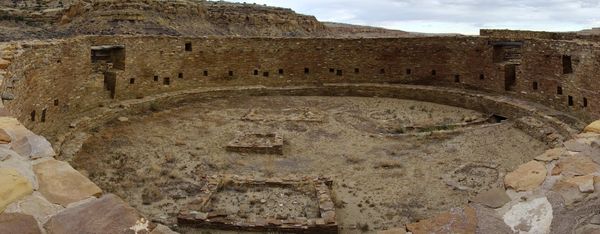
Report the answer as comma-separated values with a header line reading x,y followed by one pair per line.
x,y
13,186
593,127
61,184
457,220
108,214
33,146
531,216
527,177
577,165
18,223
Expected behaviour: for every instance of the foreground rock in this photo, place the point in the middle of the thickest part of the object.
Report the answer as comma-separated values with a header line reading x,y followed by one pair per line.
x,y
18,223
34,147
61,184
13,186
534,216
458,220
493,198
593,127
527,177
108,214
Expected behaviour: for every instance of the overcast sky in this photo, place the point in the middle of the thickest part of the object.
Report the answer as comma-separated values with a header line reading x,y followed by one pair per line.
x,y
452,16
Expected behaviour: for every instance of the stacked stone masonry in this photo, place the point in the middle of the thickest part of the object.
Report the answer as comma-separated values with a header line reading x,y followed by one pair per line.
x,y
53,86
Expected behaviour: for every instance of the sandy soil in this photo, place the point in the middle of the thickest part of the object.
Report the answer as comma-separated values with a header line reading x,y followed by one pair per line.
x,y
382,176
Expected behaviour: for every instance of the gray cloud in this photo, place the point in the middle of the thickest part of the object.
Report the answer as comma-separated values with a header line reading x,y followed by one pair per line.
x,y
461,16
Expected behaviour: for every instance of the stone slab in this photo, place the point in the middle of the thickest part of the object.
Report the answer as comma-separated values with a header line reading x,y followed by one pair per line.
x,y
13,186
61,184
551,155
18,223
532,216
108,214
457,220
35,205
493,198
33,146
21,164
593,127
162,229
526,177
577,165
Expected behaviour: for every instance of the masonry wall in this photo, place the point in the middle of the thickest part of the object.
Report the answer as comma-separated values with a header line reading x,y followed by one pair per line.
x,y
59,80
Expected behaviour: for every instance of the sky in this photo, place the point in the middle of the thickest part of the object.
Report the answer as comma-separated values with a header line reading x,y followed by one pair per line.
x,y
452,16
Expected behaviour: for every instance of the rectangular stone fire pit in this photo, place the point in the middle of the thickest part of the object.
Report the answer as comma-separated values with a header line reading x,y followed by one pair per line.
x,y
259,143
274,205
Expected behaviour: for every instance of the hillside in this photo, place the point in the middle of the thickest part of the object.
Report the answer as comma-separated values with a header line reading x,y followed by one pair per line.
x,y
48,19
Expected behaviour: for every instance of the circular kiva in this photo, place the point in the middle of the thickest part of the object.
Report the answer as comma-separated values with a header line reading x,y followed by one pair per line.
x,y
158,134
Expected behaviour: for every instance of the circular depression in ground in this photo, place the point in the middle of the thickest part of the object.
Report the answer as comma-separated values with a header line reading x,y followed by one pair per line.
x,y
391,160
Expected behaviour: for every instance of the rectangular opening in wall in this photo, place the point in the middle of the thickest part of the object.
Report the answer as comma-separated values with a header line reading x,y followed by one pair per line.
x,y
155,78
33,116
188,46
571,102
167,81
535,85
382,71
132,81
180,75
255,72
457,78
280,71
230,73
110,83
510,77
55,102
205,73
559,90
585,102
43,117
433,72
109,56
356,70
339,73
567,64
408,71
331,70
481,76
266,74
306,70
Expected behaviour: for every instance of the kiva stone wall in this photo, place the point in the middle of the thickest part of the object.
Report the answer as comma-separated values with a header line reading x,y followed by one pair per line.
x,y
59,81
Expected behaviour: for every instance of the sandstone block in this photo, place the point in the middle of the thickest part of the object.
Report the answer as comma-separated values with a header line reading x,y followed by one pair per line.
x,y
162,229
532,216
18,223
33,146
528,176
551,155
584,183
593,127
22,165
36,206
577,165
108,214
61,184
4,64
13,186
493,198
458,220
5,138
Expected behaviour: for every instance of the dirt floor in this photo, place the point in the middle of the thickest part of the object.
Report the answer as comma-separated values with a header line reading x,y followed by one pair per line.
x,y
387,166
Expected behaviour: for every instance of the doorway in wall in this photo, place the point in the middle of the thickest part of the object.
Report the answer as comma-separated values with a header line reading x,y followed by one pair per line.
x,y
510,77
110,83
